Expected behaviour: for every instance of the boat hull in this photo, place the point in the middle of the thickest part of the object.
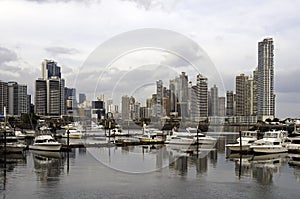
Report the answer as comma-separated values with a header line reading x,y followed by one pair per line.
x,y
237,147
45,147
293,148
268,149
150,140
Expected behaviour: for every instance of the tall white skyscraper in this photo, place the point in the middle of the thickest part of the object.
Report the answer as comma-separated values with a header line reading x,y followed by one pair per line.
x,y
265,79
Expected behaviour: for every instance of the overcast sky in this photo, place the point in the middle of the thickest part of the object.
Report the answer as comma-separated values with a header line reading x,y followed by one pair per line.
x,y
225,33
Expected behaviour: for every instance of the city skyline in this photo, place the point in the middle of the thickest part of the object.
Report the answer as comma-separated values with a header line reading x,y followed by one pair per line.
x,y
229,33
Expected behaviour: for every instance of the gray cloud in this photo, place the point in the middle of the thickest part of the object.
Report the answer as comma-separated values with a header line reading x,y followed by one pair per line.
x,y
287,81
57,50
7,55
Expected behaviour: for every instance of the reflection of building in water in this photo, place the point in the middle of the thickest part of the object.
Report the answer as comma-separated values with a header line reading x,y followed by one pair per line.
x,y
260,167
82,151
220,145
201,165
47,165
213,154
181,165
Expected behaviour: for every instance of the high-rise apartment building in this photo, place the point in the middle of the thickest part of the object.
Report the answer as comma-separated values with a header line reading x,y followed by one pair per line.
x,y
241,95
40,97
18,99
3,96
214,101
202,95
82,98
50,69
125,107
50,96
265,79
229,103
183,94
221,106
159,98
255,92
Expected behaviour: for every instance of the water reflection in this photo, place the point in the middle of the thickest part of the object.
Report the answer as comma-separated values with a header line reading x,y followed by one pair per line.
x,y
48,166
8,162
162,163
259,167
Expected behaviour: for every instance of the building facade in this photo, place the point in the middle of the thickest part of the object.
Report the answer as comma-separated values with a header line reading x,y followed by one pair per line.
x,y
50,98
265,79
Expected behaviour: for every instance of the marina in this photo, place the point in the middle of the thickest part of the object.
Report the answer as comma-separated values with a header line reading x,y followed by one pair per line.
x,y
106,170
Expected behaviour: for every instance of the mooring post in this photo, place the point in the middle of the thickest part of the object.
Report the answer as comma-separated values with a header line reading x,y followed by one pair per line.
x,y
240,133
240,167
68,139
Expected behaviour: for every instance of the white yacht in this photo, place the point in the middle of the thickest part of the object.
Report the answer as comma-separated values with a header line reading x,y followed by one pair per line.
x,y
73,134
75,130
247,138
293,144
45,143
204,139
174,139
190,136
293,141
270,143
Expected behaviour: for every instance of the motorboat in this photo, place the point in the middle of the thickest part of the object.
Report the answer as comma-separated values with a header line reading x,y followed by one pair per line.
x,y
270,143
190,136
293,144
152,136
247,138
203,139
45,143
174,139
73,134
10,143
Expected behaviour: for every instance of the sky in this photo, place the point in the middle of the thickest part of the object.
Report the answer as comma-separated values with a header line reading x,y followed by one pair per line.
x,y
119,47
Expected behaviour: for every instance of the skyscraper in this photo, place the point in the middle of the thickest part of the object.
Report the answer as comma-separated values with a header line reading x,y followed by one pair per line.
x,y
221,106
3,96
265,79
125,107
202,95
50,91
183,94
50,69
214,101
159,99
40,97
241,95
229,103
18,100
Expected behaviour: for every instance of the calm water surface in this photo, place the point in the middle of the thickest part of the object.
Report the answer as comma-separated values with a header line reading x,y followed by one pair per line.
x,y
161,171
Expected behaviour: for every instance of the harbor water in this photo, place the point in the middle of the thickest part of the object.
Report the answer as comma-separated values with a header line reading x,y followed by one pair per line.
x,y
149,171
